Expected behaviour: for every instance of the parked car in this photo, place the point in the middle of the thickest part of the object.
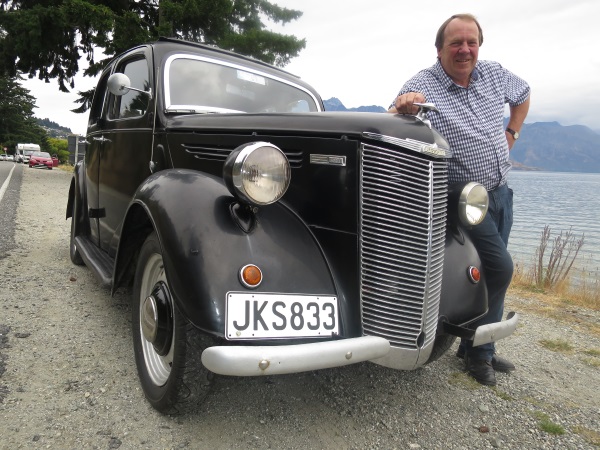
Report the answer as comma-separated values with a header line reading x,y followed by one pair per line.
x,y
41,159
7,157
3,157
27,155
262,235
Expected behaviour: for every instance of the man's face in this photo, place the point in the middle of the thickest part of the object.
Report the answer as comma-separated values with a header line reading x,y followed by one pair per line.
x,y
459,52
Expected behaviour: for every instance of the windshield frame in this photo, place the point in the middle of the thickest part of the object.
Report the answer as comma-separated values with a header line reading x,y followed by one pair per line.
x,y
189,108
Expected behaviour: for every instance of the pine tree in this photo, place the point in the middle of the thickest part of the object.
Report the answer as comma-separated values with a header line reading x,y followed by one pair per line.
x,y
48,38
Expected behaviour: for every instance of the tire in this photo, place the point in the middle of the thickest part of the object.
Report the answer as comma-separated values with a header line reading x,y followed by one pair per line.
x,y
440,346
73,252
177,382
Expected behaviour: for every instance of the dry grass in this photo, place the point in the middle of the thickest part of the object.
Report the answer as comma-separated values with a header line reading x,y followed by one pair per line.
x,y
591,436
586,294
557,345
527,298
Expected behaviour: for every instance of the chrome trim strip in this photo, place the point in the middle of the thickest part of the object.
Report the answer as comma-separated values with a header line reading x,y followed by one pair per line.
x,y
411,144
331,160
247,360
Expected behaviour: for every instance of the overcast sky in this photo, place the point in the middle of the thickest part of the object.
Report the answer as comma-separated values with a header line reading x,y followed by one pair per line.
x,y
362,51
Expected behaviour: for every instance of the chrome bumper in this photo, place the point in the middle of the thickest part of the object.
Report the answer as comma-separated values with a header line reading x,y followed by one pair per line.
x,y
284,359
485,333
495,331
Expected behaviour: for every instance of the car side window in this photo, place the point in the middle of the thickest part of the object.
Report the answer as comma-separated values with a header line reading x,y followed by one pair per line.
x,y
133,104
98,101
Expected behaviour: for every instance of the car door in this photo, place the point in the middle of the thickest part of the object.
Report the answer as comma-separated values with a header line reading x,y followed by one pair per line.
x,y
124,146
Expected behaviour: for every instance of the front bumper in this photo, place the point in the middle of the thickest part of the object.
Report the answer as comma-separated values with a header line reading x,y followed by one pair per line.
x,y
284,359
486,333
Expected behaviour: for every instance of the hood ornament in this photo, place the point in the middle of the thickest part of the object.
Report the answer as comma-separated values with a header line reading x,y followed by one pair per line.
x,y
424,108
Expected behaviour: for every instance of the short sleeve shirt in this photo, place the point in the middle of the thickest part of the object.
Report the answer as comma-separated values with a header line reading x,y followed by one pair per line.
x,y
472,118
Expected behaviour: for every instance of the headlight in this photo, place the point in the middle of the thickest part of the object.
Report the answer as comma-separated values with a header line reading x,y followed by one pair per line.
x,y
472,204
257,173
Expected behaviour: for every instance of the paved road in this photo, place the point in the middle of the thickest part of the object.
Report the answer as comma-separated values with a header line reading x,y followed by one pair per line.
x,y
11,175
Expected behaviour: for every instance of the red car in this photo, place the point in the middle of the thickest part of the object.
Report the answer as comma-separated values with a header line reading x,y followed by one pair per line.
x,y
41,159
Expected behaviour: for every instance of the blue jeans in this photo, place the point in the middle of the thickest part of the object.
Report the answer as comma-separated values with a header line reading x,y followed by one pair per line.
x,y
491,239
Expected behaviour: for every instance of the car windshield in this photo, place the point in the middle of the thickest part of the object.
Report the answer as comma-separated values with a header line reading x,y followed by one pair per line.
x,y
41,154
195,84
28,152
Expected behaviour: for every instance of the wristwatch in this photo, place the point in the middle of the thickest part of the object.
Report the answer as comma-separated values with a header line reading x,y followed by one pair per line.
x,y
515,134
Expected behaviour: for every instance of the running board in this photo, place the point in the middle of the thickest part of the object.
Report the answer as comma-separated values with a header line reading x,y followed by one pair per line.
x,y
96,260
485,333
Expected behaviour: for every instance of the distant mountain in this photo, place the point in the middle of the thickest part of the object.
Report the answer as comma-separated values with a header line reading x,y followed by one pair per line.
x,y
334,104
53,129
545,146
553,147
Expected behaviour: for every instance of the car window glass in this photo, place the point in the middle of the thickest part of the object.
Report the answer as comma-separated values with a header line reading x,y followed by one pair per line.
x,y
211,86
133,103
98,101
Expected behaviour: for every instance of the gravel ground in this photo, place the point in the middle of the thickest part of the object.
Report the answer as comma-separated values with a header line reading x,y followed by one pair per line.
x,y
68,377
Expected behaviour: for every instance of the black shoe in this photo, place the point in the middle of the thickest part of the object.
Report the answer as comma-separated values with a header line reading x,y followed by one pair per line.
x,y
482,371
498,363
502,365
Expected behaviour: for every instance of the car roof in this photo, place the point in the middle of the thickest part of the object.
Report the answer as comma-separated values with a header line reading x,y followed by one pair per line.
x,y
165,46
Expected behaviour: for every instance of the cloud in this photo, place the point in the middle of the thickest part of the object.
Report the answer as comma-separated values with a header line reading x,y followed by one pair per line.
x,y
362,52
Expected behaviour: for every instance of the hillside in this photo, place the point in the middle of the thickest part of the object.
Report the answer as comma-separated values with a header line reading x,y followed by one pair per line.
x,y
53,129
547,146
553,147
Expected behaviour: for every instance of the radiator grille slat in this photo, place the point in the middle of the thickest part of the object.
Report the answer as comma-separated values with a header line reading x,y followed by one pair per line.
x,y
403,223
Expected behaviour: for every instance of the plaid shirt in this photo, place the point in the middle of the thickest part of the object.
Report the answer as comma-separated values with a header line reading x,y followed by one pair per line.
x,y
472,119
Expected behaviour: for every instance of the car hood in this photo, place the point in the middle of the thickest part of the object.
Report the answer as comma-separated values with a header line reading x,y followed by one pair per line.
x,y
329,124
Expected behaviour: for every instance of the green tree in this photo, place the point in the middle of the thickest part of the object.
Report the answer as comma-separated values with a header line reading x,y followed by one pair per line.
x,y
60,148
17,123
48,38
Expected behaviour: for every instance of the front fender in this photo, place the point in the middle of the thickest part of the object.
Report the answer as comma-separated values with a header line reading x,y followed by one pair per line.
x,y
76,202
204,248
462,301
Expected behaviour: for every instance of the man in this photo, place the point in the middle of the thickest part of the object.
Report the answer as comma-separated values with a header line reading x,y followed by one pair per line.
x,y
470,96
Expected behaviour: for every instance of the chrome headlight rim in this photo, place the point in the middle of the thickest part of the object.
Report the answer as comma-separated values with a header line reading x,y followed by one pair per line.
x,y
235,172
473,203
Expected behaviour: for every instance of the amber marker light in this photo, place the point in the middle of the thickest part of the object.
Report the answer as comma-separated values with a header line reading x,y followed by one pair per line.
x,y
250,276
474,274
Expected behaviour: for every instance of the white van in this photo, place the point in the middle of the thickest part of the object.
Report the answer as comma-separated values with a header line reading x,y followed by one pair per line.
x,y
23,152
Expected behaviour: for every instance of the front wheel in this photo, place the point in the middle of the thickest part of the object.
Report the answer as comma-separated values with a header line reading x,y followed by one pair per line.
x,y
440,346
167,346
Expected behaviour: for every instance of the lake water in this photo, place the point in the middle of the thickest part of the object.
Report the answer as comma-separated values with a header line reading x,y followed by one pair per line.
x,y
562,201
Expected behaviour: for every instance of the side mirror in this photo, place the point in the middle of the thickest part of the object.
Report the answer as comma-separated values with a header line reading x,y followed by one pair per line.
x,y
119,84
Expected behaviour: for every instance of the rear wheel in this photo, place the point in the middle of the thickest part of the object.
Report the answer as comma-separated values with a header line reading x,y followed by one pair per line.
x,y
73,252
167,346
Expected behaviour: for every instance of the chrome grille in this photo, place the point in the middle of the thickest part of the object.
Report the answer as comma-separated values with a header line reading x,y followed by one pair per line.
x,y
403,222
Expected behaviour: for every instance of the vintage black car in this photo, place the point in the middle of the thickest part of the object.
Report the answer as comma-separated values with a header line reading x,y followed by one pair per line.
x,y
262,235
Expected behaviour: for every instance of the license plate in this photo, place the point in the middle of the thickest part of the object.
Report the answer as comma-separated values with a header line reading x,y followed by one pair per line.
x,y
261,315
